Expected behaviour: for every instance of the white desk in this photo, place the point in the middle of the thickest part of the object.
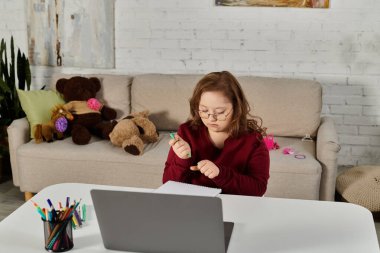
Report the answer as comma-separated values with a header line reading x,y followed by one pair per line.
x,y
261,224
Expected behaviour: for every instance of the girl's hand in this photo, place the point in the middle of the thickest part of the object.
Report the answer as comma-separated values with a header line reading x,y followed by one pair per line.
x,y
207,168
180,147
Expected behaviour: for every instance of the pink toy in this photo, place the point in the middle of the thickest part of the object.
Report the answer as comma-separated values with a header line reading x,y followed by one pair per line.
x,y
270,143
94,104
288,151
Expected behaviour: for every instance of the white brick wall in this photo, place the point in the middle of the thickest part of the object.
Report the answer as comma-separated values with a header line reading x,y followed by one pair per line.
x,y
13,22
339,47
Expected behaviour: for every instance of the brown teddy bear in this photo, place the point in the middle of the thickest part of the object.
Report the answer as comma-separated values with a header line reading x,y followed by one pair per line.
x,y
133,131
90,116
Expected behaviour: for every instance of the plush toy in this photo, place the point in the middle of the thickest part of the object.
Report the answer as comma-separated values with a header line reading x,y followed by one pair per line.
x,y
55,129
90,116
133,131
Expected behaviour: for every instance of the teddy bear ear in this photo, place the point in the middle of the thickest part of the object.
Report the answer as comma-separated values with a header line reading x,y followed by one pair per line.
x,y
60,85
96,83
141,114
145,113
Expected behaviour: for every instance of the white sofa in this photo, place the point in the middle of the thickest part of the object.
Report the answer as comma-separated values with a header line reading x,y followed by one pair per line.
x,y
290,109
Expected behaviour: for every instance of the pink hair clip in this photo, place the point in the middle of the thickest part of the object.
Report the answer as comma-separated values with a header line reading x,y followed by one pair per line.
x,y
291,151
288,151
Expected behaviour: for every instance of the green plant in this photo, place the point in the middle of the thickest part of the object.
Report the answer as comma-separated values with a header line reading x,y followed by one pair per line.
x,y
10,108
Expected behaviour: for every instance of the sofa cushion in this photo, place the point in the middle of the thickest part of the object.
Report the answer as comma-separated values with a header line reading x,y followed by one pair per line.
x,y
288,174
165,96
288,107
98,162
38,105
115,91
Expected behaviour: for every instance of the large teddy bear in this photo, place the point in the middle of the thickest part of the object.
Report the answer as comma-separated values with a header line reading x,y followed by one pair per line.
x,y
133,131
90,116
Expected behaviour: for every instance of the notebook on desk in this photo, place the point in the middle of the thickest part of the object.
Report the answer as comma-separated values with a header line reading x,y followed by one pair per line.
x,y
155,222
173,187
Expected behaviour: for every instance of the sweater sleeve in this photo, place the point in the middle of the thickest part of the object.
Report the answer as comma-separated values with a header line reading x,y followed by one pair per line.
x,y
177,169
253,182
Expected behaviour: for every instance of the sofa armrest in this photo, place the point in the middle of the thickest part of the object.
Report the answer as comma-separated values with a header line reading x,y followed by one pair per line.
x,y
18,134
327,154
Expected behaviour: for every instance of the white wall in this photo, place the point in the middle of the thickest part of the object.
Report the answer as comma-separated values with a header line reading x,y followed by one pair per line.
x,y
13,22
339,47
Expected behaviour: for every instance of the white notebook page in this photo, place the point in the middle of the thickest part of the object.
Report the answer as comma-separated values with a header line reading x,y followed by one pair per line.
x,y
173,187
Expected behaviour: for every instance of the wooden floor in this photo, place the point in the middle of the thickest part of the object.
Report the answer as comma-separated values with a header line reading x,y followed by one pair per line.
x,y
11,198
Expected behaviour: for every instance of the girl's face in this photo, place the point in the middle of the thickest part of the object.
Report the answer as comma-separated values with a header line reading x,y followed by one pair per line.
x,y
215,110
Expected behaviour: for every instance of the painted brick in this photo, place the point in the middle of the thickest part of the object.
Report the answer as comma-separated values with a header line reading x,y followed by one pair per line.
x,y
163,43
349,130
369,130
360,150
334,100
198,54
226,44
259,45
370,100
361,120
346,90
175,54
211,35
346,109
195,44
338,119
354,140
202,65
375,141
374,160
371,110
347,160
135,43
372,91
178,34
239,55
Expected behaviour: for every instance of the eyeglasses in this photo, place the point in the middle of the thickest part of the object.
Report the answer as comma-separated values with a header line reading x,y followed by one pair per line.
x,y
218,116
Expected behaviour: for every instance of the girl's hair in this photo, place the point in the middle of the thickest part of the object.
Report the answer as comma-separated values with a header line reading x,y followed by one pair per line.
x,y
226,83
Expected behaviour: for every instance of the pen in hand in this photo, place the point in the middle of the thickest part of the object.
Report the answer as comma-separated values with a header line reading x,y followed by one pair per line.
x,y
183,147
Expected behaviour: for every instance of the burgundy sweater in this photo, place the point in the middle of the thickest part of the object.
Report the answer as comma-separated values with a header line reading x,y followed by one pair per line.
x,y
243,162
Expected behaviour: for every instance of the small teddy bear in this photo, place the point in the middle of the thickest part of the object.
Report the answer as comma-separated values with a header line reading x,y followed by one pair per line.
x,y
133,131
56,128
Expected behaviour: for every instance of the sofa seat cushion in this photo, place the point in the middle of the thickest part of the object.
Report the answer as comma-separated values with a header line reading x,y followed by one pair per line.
x,y
294,173
99,162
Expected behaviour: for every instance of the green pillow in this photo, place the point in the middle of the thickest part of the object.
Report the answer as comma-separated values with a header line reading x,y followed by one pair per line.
x,y
37,105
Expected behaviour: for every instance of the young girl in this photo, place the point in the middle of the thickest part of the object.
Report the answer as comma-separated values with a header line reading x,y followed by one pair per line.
x,y
219,146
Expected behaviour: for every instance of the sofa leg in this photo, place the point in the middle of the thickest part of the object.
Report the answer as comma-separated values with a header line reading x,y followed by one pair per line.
x,y
28,195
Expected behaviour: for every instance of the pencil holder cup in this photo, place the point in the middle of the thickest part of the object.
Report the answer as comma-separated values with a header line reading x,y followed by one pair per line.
x,y
58,235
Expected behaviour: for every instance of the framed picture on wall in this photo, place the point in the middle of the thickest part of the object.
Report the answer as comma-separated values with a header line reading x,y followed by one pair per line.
x,y
71,33
276,3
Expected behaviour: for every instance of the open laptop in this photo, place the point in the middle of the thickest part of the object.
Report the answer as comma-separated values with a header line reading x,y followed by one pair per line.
x,y
154,222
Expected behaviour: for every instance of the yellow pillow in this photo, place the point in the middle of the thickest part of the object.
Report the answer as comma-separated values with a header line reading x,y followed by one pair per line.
x,y
37,105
